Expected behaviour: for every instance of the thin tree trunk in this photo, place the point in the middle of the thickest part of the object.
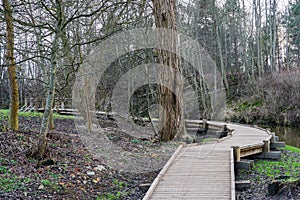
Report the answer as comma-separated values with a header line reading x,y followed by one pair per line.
x,y
287,44
171,117
219,51
14,93
42,144
257,7
274,32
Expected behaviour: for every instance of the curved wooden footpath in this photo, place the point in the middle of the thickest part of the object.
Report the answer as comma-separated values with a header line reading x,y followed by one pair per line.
x,y
207,171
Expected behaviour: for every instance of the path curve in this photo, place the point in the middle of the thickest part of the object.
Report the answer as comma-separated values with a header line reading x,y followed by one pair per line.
x,y
204,171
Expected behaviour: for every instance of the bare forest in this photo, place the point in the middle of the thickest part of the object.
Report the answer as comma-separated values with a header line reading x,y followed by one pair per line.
x,y
228,60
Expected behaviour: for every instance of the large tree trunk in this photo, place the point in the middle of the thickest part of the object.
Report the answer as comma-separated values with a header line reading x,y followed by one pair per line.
x,y
10,62
171,117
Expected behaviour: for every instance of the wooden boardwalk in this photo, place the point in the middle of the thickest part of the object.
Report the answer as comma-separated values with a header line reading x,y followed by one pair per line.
x,y
204,171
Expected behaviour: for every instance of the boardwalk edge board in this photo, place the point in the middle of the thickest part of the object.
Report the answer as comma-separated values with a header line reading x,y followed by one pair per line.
x,y
232,174
162,173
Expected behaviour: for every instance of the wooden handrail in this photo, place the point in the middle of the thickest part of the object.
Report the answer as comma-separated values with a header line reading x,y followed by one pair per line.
x,y
251,149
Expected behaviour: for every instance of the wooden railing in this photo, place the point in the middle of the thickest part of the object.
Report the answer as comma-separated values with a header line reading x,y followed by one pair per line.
x,y
263,149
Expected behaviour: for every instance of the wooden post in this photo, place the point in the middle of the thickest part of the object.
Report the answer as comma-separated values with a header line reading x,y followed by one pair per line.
x,y
237,153
224,132
205,124
43,104
266,148
31,102
273,137
25,104
224,127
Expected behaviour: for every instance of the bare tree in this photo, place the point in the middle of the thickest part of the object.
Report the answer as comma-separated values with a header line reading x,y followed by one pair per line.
x,y
10,62
171,118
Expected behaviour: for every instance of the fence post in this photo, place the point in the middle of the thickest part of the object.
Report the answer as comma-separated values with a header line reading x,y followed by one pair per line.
x,y
266,148
237,153
273,137
205,124
26,102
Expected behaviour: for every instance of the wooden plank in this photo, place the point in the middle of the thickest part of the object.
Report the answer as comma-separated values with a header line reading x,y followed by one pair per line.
x,y
232,174
162,172
207,171
251,152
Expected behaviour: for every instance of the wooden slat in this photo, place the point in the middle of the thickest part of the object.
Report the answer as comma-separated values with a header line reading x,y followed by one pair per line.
x,y
206,171
162,173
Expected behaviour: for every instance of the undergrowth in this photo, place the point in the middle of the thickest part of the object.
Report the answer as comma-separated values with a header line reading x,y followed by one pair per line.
x,y
4,114
288,167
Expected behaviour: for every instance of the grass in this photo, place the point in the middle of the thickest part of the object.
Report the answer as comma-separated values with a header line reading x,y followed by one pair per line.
x,y
287,166
115,196
10,182
292,149
50,184
4,114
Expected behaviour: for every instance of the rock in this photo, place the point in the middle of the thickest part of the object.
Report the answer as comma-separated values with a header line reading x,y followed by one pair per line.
x,y
41,187
90,173
99,168
273,188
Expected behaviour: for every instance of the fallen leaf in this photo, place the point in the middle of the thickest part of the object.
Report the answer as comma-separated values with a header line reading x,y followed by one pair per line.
x,y
96,180
77,170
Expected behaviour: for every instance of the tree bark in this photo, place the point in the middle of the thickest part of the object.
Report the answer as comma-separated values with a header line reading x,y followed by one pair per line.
x,y
42,143
171,116
10,62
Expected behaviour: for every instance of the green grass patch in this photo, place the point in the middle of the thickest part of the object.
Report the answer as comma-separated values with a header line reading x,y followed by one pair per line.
x,y
3,170
51,185
119,185
292,149
135,141
53,175
4,114
11,182
206,140
287,165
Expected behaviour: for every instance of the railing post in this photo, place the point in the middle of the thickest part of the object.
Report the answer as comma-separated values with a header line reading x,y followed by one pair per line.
x,y
273,137
236,153
26,102
224,128
266,148
205,124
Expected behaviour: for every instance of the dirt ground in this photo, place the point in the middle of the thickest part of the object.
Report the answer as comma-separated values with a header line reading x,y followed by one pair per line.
x,y
70,172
